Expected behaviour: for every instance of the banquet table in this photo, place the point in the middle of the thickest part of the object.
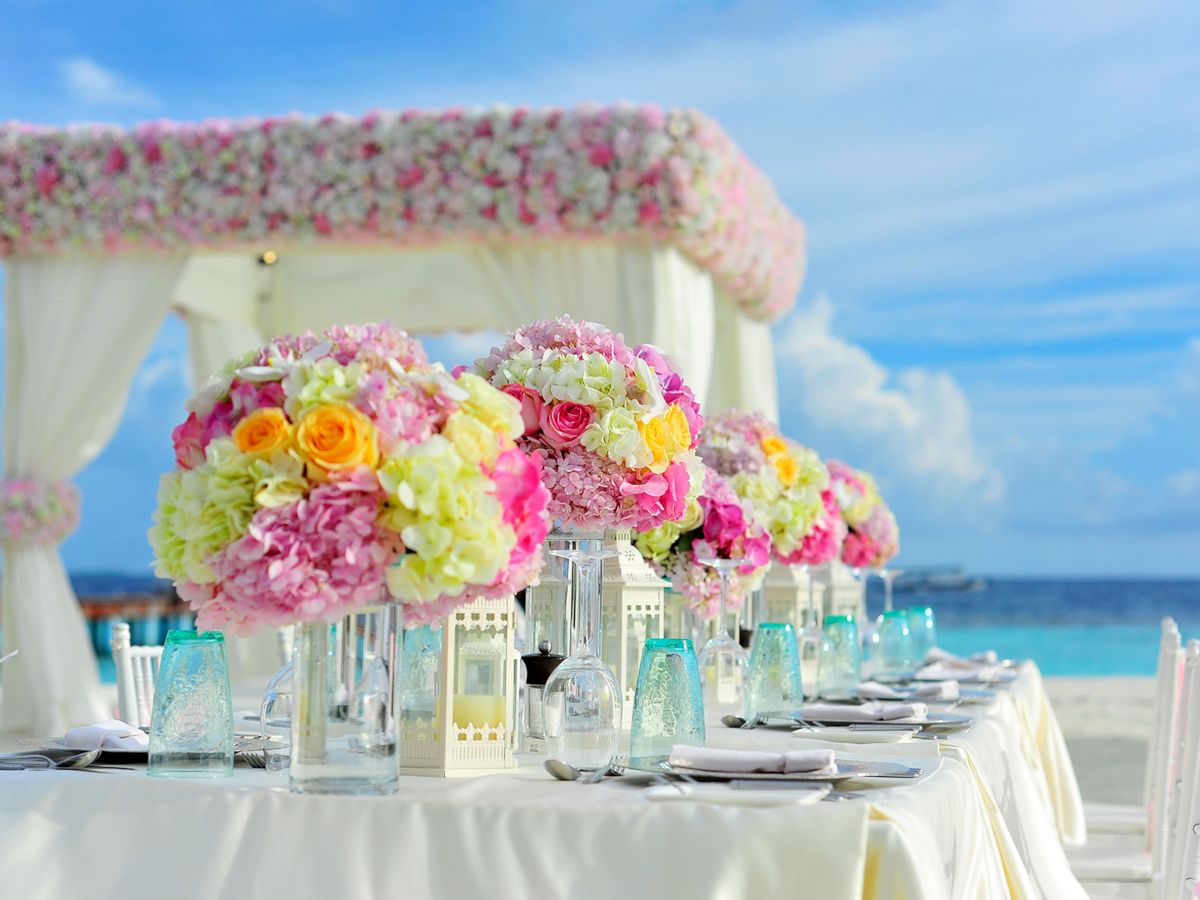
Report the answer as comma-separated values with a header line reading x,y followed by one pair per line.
x,y
986,820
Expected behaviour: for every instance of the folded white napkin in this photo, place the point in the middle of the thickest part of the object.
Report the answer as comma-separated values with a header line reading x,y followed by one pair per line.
x,y
871,711
941,671
937,654
936,690
111,734
705,759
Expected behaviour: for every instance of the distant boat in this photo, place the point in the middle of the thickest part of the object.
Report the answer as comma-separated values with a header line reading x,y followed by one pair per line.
x,y
938,580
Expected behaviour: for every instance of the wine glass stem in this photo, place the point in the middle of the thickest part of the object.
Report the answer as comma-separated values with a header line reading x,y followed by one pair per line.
x,y
724,577
812,601
587,606
887,591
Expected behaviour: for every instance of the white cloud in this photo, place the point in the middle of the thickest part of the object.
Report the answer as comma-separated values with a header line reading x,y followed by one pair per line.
x,y
91,83
913,427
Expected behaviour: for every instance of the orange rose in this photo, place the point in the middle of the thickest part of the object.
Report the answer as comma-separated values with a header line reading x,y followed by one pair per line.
x,y
677,425
263,431
772,445
334,436
786,468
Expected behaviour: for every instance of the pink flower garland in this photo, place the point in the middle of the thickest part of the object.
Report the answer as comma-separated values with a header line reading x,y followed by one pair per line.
x,y
407,179
33,511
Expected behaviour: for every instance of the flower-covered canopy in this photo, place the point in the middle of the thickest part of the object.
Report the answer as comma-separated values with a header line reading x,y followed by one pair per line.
x,y
412,178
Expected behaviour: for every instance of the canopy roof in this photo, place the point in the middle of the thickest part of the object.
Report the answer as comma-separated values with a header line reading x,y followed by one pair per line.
x,y
409,179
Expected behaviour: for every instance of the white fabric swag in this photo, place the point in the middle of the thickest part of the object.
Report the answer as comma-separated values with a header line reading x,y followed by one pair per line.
x,y
649,292
77,329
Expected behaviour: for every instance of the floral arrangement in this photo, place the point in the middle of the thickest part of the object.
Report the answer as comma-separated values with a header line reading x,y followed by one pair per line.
x,y
783,483
615,427
410,178
874,536
33,511
716,524
314,472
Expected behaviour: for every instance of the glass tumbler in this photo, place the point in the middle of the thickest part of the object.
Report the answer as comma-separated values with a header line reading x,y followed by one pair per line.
x,y
773,687
191,729
839,669
668,707
895,650
923,627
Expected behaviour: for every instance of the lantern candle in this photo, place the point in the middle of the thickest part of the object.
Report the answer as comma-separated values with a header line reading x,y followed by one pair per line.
x,y
479,710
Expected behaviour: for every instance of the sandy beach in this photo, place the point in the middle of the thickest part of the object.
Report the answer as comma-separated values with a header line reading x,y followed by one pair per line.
x,y
1107,724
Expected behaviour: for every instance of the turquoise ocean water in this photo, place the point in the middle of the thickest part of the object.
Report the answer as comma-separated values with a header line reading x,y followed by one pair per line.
x,y
1069,626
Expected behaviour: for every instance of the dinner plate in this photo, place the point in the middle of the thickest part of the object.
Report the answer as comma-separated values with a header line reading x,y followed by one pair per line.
x,y
846,770
242,743
931,719
846,735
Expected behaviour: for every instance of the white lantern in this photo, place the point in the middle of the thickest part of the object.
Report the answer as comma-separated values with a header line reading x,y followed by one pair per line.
x,y
473,726
632,612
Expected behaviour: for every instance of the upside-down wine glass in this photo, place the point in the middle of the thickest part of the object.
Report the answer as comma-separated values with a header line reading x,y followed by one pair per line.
x,y
888,576
724,665
809,633
582,701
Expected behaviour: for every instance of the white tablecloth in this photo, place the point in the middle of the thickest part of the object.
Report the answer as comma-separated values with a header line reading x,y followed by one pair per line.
x,y
983,824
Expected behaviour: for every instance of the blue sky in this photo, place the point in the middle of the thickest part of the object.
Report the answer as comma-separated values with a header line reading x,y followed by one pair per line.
x,y
1002,311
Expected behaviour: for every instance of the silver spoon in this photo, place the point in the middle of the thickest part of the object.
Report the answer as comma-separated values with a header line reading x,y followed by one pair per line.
x,y
564,771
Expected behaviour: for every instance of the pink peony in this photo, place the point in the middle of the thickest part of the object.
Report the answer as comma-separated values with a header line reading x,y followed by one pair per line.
x,y
661,497
531,406
563,424
724,523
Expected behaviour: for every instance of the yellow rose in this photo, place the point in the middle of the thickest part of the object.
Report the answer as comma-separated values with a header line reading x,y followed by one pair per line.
x,y
772,445
472,438
334,436
657,436
786,468
677,425
263,431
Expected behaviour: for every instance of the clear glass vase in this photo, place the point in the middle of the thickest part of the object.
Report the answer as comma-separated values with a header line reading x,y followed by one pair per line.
x,y
582,699
344,738
724,664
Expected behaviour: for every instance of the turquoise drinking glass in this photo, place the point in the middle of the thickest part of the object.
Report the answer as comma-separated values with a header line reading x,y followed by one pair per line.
x,y
668,707
923,628
773,688
839,668
895,659
191,727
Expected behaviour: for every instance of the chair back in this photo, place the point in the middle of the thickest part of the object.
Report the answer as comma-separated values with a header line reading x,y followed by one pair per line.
x,y
1182,873
137,673
1168,644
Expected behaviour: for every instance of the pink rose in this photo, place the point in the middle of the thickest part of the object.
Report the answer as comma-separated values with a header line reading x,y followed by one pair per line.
x,y
531,405
563,424
188,438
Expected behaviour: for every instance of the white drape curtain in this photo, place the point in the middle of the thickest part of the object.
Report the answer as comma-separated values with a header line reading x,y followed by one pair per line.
x,y
77,328
650,292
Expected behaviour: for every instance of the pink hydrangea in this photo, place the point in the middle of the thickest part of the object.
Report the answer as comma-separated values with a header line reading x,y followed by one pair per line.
x,y
564,333
318,558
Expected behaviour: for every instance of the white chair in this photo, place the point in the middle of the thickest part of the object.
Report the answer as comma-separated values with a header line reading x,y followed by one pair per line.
x,y
137,673
1124,819
1169,869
